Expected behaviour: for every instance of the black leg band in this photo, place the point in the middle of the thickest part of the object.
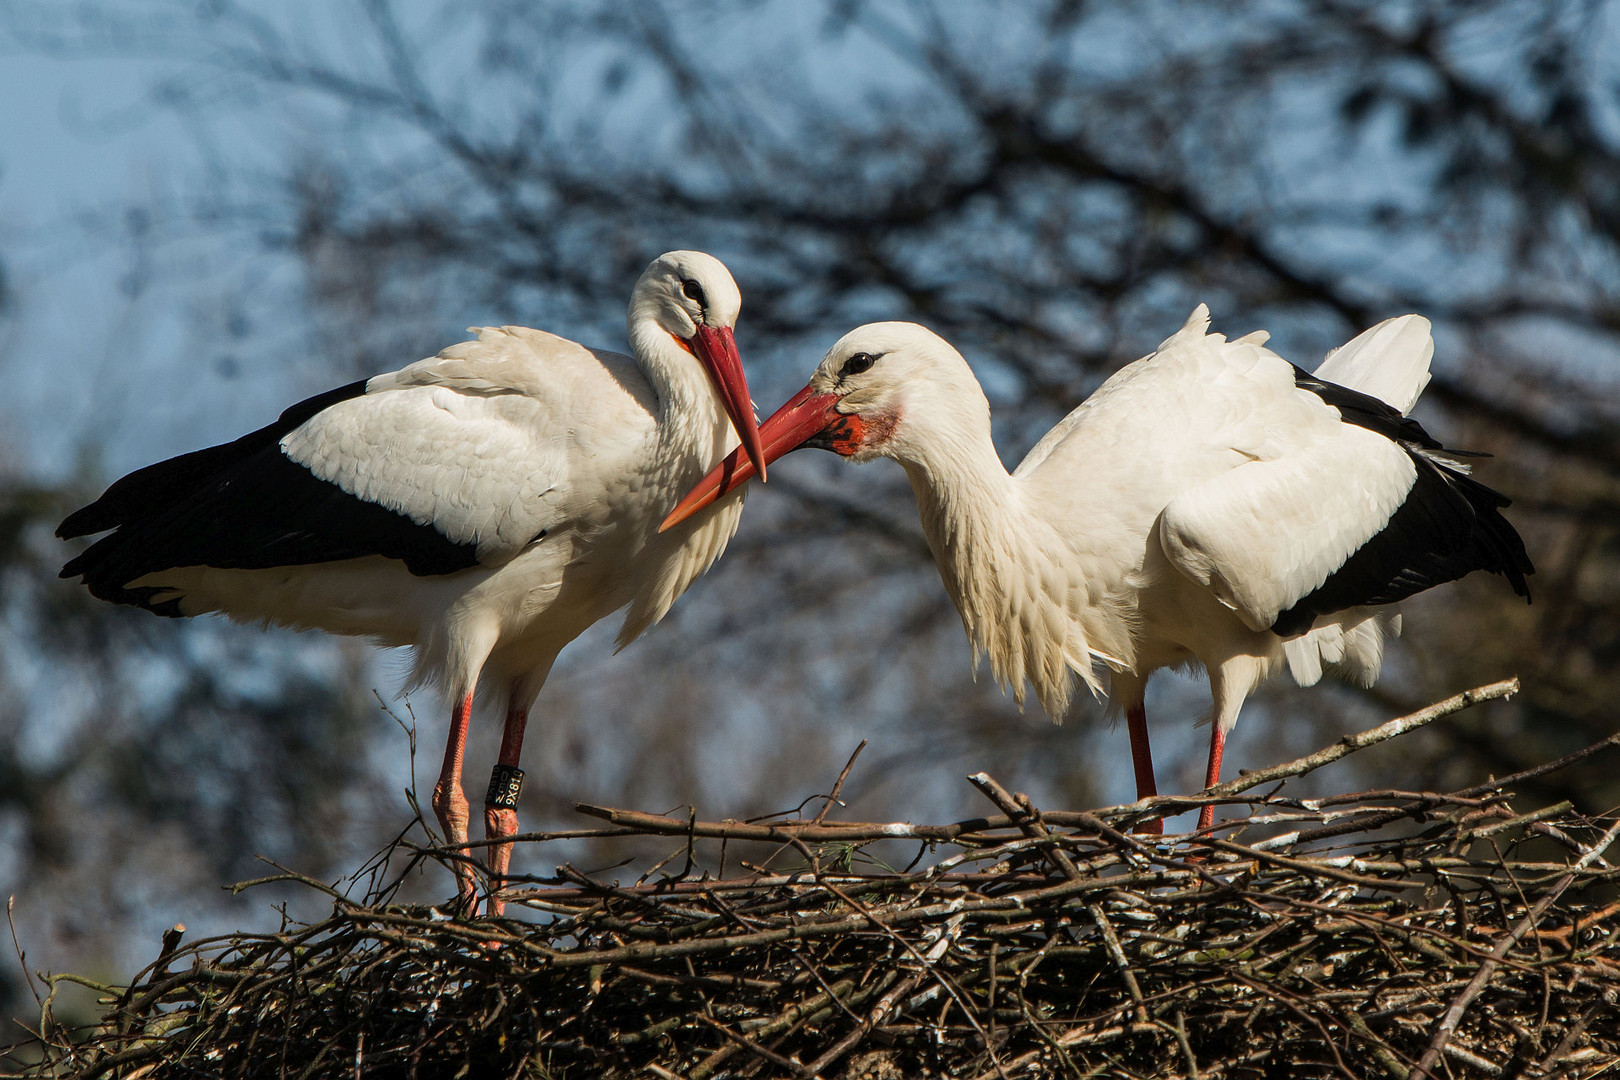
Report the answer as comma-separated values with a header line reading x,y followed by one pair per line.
x,y
505,787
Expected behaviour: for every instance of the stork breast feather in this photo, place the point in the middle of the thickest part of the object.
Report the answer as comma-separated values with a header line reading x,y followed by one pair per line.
x,y
469,465
1267,533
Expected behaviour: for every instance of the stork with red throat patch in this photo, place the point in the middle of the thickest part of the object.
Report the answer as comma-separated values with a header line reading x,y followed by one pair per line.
x,y
1211,504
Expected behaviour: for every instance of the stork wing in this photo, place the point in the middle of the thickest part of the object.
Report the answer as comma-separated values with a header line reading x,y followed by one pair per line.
x,y
476,467
459,460
1369,513
1266,534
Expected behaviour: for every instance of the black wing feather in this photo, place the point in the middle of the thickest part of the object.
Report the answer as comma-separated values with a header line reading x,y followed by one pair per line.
x,y
167,483
1366,411
243,505
1449,525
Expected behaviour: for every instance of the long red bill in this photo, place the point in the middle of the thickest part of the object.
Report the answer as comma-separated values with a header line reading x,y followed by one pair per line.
x,y
717,348
804,416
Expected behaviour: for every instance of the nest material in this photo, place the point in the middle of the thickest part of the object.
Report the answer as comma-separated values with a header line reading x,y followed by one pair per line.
x,y
1389,933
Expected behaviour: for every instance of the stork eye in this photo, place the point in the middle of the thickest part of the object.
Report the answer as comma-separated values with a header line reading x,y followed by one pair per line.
x,y
858,363
693,291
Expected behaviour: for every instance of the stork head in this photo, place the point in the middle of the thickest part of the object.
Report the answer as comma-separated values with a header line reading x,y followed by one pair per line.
x,y
690,298
890,389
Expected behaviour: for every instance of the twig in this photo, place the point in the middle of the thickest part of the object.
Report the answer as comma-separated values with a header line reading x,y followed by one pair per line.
x,y
1360,741
838,785
1453,1016
884,1006
765,1052
16,944
1026,818
1549,767
1111,941
782,832
1180,1030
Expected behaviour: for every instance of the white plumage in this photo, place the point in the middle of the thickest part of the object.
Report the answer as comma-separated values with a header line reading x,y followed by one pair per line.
x,y
485,505
1209,504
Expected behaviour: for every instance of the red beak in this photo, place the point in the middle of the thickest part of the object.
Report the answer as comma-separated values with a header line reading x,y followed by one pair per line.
x,y
717,349
804,416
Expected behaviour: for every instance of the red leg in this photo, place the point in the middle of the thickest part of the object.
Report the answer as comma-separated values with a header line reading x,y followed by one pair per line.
x,y
449,801
500,804
1142,761
1217,747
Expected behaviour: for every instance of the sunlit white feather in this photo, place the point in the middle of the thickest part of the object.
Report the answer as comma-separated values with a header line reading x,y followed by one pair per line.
x,y
1166,520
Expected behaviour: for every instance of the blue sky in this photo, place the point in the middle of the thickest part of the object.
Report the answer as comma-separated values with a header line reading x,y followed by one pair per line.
x,y
81,149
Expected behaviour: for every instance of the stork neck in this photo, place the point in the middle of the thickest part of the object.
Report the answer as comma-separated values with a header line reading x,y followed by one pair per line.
x,y
1025,601
964,493
970,510
677,377
690,417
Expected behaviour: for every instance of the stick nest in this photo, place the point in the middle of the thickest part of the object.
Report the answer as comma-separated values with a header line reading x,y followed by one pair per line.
x,y
1394,933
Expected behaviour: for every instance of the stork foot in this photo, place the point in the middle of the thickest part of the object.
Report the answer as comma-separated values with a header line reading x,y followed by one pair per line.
x,y
451,807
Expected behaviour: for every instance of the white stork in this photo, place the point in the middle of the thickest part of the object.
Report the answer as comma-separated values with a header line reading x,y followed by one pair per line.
x,y
485,505
1210,504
